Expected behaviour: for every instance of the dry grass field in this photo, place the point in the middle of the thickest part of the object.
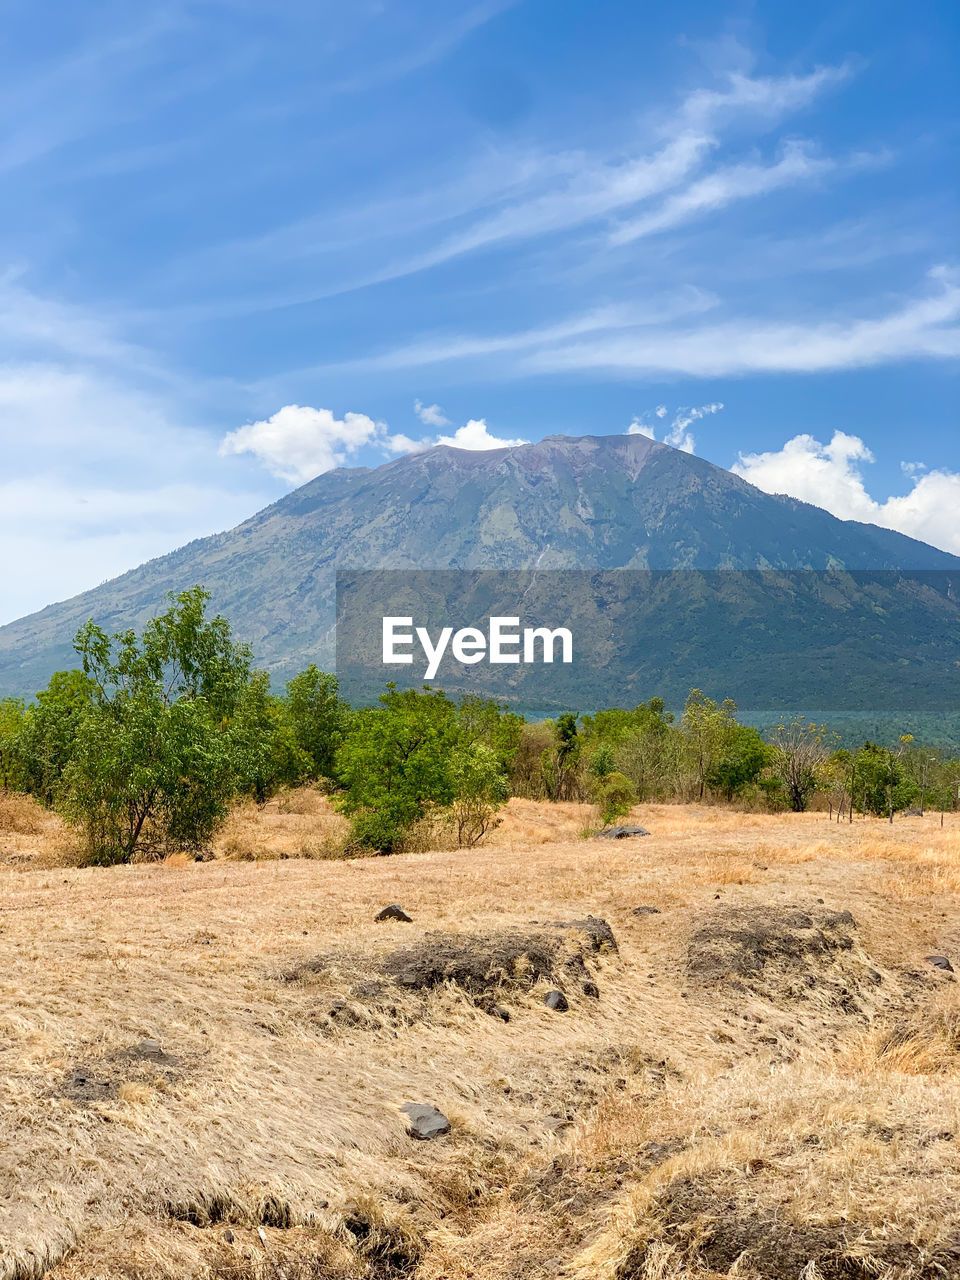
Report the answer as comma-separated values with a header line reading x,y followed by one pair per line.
x,y
202,1064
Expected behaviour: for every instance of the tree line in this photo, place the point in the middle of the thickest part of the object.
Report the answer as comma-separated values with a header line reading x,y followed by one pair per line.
x,y
148,742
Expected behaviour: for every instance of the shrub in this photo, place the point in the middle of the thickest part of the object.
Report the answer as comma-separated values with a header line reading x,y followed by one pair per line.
x,y
615,795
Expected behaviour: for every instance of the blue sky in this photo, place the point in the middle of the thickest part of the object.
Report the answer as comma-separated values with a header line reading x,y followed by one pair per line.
x,y
243,242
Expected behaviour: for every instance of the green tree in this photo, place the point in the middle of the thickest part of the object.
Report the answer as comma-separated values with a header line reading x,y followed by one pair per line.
x,y
882,786
267,752
155,758
483,720
395,764
318,717
49,733
562,757
13,718
479,791
602,762
707,727
744,756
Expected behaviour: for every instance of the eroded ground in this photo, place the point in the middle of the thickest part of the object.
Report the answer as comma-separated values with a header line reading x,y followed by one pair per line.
x,y
203,1065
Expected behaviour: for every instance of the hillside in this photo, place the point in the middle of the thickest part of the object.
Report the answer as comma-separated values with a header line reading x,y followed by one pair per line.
x,y
604,502
205,1063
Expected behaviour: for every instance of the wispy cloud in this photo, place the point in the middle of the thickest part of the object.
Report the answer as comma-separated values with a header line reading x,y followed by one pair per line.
x,y
918,328
442,349
769,97
726,186
590,188
659,340
102,467
442,43
514,198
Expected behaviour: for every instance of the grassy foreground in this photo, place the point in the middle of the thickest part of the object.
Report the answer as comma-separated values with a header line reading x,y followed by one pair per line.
x,y
764,1086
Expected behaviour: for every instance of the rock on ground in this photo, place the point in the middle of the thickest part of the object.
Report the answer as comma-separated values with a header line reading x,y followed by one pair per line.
x,y
620,833
394,912
425,1121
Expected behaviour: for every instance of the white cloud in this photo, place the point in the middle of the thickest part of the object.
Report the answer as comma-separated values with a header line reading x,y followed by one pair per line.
x,y
768,97
831,476
400,443
431,415
640,428
921,328
297,442
476,435
677,432
660,339
608,319
723,187
98,476
581,188
519,196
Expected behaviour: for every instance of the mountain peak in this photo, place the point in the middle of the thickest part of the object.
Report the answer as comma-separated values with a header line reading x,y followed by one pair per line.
x,y
590,501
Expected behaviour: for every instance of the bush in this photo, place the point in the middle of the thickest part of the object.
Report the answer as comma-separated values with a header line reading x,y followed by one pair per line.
x,y
417,755
615,795
479,790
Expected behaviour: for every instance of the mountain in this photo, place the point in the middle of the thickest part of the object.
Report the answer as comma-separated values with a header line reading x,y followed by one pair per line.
x,y
602,502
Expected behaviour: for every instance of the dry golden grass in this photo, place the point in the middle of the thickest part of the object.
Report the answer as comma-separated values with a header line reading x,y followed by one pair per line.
x,y
659,1132
298,824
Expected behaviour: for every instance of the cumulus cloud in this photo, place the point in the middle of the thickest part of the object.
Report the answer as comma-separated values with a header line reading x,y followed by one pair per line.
x,y
677,432
640,428
476,435
431,415
831,476
298,442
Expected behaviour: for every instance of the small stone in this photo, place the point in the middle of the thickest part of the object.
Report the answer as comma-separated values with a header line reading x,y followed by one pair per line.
x,y
424,1121
498,1011
645,911
620,833
556,1001
228,1236
394,912
149,1049
592,990
940,962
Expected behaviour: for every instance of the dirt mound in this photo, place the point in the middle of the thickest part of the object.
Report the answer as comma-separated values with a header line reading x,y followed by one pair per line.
x,y
482,964
793,950
721,1235
140,1066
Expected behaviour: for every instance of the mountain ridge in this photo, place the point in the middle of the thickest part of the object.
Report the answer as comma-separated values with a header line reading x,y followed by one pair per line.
x,y
605,502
